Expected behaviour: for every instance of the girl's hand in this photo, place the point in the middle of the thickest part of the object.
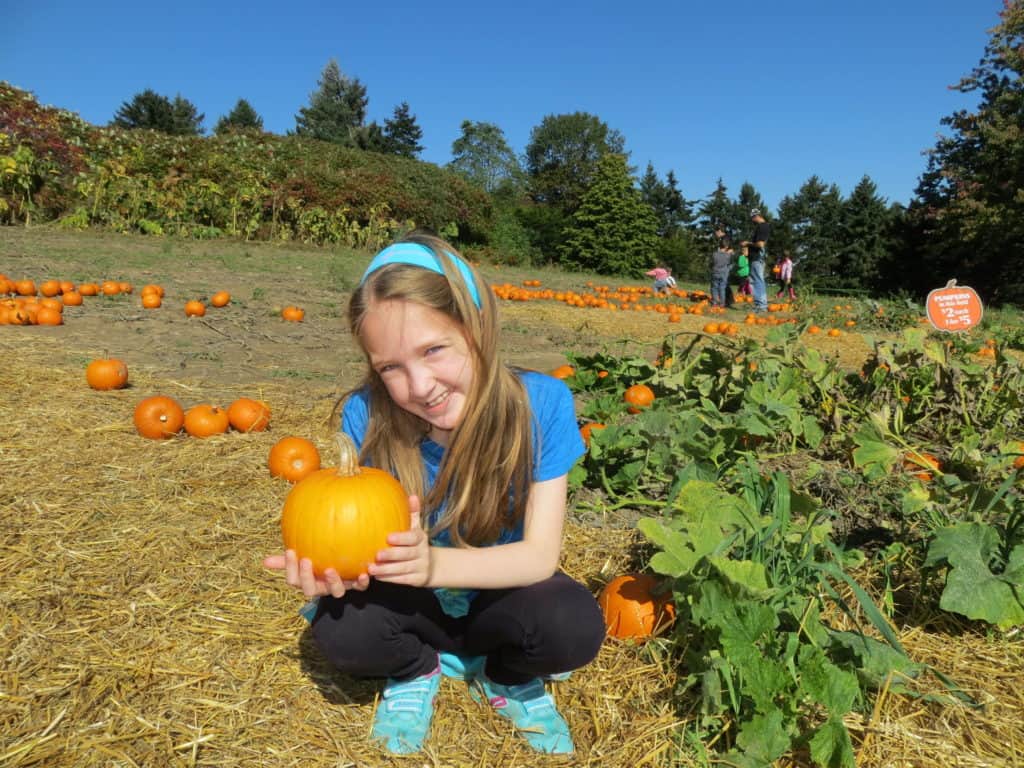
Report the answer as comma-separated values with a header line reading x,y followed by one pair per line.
x,y
407,558
299,574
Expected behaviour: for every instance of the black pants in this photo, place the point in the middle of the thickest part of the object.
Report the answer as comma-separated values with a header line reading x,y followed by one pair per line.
x,y
397,631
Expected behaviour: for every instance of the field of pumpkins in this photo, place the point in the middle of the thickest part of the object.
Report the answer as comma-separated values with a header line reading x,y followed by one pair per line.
x,y
804,527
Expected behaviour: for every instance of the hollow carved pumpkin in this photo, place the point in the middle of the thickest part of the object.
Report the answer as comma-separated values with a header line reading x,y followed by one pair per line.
x,y
631,610
158,417
293,458
340,518
107,374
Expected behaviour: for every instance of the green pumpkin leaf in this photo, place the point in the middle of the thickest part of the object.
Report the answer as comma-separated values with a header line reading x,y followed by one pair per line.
x,y
831,746
972,589
763,738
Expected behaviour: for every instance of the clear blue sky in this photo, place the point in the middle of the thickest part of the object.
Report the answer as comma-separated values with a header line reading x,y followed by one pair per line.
x,y
763,92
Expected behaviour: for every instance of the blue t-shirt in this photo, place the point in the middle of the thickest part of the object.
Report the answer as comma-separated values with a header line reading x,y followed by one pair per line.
x,y
556,442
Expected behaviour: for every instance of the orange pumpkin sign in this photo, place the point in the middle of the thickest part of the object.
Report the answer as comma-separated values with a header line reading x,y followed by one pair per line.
x,y
953,308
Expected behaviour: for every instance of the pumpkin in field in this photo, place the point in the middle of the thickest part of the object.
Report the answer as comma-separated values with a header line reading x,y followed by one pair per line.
x,y
48,315
293,458
158,417
638,397
88,289
194,308
563,372
220,299
107,374
631,610
340,518
204,420
921,465
71,299
247,415
588,429
293,314
151,300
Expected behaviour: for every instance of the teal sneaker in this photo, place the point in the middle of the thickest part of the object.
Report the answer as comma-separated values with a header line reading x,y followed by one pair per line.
x,y
532,710
460,667
403,716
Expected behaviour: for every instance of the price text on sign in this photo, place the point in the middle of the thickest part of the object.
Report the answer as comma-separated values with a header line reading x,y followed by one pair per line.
x,y
954,308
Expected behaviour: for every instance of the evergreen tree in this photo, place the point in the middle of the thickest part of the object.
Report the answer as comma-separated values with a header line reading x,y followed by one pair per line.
x,y
149,109
671,210
967,219
718,213
808,228
748,200
241,117
482,155
401,133
865,224
337,109
562,157
612,231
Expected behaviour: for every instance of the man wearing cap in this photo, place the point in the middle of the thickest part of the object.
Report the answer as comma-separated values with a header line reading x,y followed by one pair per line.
x,y
757,253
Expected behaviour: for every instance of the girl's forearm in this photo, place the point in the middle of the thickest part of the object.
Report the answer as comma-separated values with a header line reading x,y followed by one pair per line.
x,y
499,567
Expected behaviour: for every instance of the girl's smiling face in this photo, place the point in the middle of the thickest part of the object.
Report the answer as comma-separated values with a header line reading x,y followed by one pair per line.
x,y
423,359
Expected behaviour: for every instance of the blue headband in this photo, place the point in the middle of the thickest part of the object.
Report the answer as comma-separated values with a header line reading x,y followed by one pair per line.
x,y
421,256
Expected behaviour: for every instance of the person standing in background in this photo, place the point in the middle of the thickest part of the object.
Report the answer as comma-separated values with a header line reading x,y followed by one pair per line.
x,y
757,254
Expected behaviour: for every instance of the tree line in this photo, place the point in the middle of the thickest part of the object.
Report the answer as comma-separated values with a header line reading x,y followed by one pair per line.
x,y
573,197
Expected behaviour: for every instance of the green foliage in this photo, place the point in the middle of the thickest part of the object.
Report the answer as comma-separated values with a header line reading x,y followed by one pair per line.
x,y
613,231
336,110
149,109
482,155
809,228
242,184
402,135
671,210
967,219
241,117
562,157
865,234
750,571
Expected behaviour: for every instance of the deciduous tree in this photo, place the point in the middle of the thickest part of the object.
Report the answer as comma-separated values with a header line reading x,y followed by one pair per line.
x,y
562,157
483,156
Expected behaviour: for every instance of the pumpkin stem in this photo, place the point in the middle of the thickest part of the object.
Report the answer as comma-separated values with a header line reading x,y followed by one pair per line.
x,y
348,456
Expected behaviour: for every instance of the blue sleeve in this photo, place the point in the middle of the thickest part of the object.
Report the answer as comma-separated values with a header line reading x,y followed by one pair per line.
x,y
355,416
557,443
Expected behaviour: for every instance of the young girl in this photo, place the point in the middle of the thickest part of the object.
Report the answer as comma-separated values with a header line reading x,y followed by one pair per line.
x,y
473,590
785,273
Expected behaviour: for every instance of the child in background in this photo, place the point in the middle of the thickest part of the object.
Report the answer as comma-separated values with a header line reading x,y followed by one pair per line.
x,y
473,589
743,273
663,280
785,274
721,266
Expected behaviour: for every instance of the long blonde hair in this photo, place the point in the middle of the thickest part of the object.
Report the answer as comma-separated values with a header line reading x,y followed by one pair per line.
x,y
484,479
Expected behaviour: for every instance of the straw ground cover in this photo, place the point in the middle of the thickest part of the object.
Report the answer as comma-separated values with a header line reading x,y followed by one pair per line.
x,y
137,626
